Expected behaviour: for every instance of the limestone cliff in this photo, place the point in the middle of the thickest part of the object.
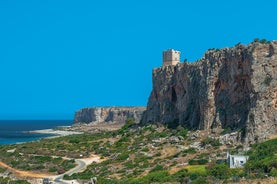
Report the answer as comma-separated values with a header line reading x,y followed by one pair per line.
x,y
108,114
234,88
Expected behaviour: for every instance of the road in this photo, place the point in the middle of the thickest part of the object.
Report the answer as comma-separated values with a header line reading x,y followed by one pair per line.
x,y
81,166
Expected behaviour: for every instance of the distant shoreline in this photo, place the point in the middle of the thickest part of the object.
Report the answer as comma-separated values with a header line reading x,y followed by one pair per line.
x,y
55,133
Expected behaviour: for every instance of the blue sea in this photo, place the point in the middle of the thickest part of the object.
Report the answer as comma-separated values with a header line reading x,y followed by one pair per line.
x,y
16,131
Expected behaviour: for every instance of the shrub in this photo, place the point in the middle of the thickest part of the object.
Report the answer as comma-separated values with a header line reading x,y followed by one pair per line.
x,y
2,170
199,180
193,176
263,41
123,156
145,149
273,172
57,160
157,168
226,130
74,141
198,162
211,141
262,157
158,176
128,123
180,174
220,171
53,169
158,154
189,151
182,132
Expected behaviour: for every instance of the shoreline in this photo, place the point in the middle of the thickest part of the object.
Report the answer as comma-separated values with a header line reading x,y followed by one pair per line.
x,y
55,133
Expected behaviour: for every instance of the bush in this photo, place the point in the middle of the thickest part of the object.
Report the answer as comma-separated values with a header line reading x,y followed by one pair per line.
x,y
199,180
182,132
262,157
123,156
128,123
158,176
198,162
180,175
263,41
145,149
189,151
8,180
273,172
74,141
2,170
157,168
211,141
220,171
53,169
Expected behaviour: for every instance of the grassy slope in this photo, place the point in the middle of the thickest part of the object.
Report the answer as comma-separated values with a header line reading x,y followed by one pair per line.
x,y
143,154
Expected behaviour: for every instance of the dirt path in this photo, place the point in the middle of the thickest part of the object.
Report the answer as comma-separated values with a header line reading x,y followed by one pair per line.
x,y
273,136
20,173
32,174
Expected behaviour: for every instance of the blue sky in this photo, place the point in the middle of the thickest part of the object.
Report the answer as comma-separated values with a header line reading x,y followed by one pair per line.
x,y
59,56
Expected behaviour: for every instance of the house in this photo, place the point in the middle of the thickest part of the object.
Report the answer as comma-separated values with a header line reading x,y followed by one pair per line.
x,y
236,161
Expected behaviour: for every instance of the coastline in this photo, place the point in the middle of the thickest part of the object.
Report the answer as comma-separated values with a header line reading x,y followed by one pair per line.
x,y
55,133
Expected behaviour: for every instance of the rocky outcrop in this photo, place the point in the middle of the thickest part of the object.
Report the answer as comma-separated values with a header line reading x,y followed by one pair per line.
x,y
99,115
230,88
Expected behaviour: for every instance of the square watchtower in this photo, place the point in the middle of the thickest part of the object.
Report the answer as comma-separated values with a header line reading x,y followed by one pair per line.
x,y
171,57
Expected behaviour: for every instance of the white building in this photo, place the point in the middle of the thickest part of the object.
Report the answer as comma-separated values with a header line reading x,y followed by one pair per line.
x,y
236,161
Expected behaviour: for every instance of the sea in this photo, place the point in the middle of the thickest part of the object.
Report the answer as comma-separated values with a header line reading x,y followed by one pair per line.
x,y
17,131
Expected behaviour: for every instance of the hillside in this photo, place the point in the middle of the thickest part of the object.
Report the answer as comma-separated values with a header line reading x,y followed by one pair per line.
x,y
140,154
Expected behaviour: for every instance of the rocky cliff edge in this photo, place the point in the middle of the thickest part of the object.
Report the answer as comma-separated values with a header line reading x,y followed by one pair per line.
x,y
97,115
232,89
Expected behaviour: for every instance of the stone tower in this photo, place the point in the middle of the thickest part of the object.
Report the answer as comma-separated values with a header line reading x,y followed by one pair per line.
x,y
171,57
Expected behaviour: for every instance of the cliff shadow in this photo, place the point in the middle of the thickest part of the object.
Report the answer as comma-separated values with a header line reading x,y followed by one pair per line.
x,y
234,94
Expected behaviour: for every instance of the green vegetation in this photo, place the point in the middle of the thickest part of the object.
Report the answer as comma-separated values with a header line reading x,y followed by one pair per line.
x,y
2,170
129,123
198,161
219,171
262,41
137,155
7,180
262,159
210,141
197,169
226,130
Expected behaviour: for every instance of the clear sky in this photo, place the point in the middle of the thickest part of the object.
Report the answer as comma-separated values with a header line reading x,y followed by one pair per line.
x,y
58,56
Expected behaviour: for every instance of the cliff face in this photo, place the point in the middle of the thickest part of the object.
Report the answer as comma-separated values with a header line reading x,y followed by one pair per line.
x,y
234,88
108,114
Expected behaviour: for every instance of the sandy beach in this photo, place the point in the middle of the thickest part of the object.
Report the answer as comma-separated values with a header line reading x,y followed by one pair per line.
x,y
55,133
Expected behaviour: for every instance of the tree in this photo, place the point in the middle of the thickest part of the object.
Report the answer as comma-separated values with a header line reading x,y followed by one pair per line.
x,y
220,171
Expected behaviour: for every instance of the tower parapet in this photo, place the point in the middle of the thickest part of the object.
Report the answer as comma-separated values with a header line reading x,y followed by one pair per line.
x,y
171,57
